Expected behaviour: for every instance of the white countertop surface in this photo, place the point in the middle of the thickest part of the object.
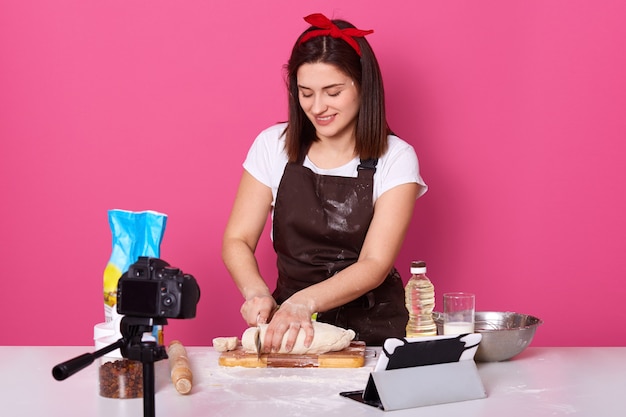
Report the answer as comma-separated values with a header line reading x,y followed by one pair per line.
x,y
539,382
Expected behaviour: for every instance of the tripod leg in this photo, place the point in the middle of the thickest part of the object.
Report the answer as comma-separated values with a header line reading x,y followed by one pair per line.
x,y
148,389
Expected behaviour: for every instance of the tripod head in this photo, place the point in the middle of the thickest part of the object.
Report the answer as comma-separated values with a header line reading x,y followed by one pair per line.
x,y
134,348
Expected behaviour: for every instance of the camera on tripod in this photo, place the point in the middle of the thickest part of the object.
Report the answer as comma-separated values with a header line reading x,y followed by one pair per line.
x,y
149,293
152,288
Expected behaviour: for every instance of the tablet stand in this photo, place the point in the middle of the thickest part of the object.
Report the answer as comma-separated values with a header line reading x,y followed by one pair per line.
x,y
416,386
424,385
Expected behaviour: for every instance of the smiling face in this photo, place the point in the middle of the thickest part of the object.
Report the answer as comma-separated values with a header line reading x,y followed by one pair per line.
x,y
330,99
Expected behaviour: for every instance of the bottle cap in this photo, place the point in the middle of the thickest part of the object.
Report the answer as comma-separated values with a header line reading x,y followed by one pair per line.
x,y
418,267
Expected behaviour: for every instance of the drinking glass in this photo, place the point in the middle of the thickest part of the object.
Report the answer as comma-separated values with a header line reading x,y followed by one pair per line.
x,y
458,313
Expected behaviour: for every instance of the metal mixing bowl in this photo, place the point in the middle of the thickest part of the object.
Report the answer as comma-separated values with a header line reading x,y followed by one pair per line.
x,y
505,334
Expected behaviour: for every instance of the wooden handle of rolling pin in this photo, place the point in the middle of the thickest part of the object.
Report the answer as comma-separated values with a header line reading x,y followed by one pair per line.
x,y
182,377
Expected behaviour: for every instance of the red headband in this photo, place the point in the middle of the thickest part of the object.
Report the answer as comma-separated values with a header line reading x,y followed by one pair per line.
x,y
328,28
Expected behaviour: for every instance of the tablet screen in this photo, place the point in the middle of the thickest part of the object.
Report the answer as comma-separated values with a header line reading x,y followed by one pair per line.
x,y
431,350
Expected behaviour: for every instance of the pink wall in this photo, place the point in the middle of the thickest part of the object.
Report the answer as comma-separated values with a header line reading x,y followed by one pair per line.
x,y
516,110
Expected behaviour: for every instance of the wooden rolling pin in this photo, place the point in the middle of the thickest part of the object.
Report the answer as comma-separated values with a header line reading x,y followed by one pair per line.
x,y
181,375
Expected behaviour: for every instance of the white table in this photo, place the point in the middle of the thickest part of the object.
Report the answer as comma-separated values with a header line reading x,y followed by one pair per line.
x,y
539,382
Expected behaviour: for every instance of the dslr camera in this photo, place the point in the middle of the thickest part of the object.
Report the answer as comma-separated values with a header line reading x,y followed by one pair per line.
x,y
152,288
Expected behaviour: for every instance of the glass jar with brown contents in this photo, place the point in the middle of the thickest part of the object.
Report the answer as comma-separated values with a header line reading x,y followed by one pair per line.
x,y
119,377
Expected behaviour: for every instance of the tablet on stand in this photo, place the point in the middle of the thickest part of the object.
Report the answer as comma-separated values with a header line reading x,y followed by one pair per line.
x,y
416,372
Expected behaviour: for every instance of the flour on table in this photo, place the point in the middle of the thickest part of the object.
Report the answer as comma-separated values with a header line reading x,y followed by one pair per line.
x,y
326,338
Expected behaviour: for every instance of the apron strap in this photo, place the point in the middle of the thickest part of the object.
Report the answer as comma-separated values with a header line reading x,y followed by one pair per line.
x,y
368,164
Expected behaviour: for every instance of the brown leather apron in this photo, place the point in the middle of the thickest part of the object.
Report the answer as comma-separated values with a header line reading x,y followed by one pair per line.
x,y
320,223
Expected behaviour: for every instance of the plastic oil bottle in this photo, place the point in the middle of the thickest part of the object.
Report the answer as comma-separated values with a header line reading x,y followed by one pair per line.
x,y
420,301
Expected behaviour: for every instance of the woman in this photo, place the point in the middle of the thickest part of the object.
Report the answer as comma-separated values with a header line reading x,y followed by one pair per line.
x,y
341,189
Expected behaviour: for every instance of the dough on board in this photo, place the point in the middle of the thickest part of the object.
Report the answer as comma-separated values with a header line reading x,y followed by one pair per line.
x,y
223,344
326,338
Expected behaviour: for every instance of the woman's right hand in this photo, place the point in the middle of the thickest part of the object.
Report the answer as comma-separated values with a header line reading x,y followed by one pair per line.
x,y
258,309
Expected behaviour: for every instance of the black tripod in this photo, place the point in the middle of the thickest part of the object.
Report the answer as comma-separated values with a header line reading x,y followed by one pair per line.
x,y
133,348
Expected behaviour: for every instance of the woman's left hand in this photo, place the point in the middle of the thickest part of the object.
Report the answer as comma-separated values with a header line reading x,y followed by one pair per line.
x,y
286,324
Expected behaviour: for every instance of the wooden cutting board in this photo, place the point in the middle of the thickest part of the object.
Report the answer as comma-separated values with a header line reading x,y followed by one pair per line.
x,y
351,357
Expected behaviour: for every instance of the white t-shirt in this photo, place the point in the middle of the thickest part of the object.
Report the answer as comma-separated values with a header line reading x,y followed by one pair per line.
x,y
267,159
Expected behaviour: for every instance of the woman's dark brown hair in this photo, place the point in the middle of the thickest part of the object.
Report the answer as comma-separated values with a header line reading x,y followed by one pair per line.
x,y
371,127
